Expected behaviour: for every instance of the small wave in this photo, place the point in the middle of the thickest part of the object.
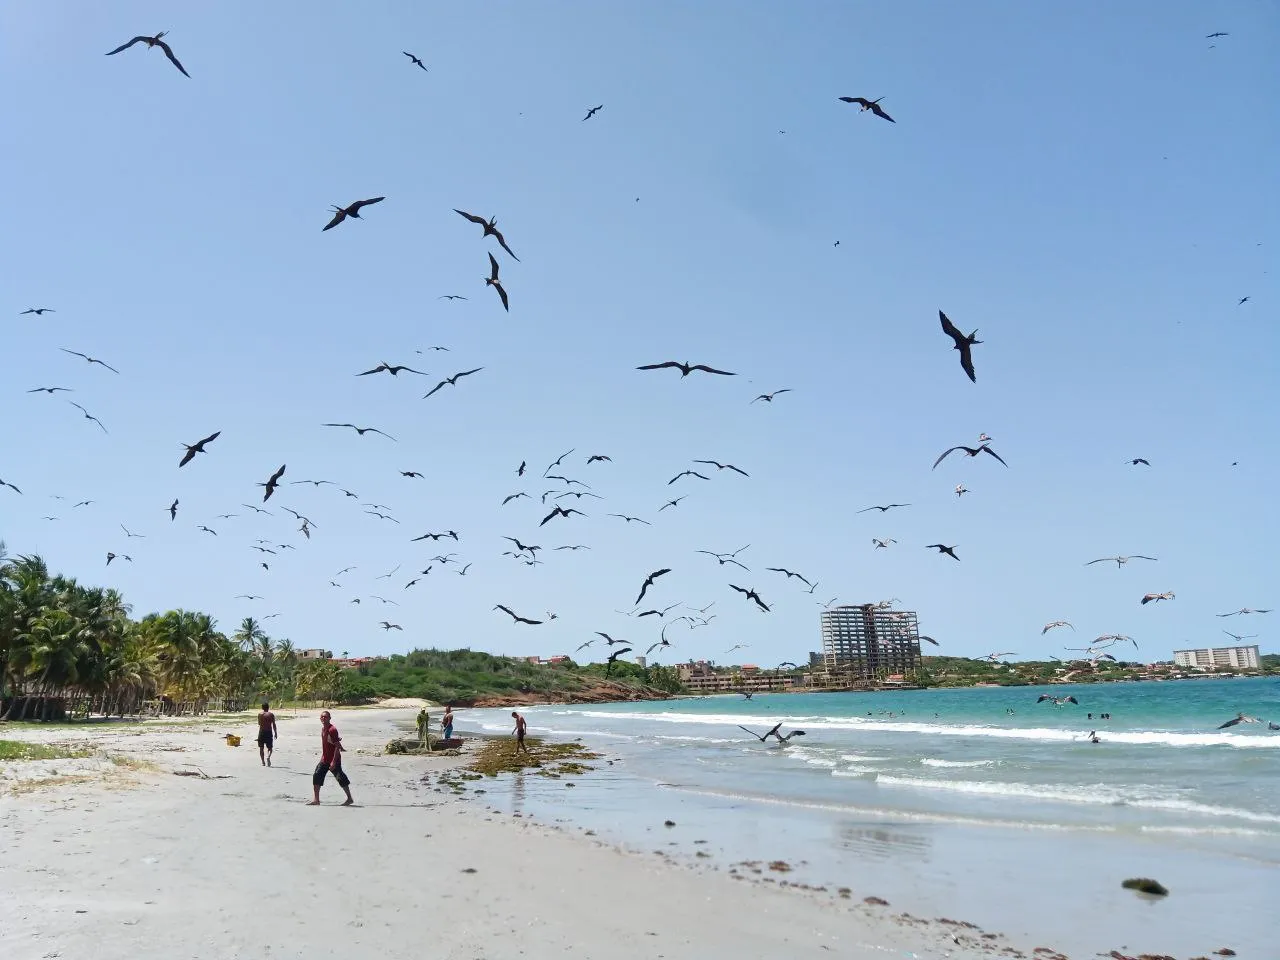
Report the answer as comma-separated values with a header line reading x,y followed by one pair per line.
x,y
858,758
931,762
1098,794
871,773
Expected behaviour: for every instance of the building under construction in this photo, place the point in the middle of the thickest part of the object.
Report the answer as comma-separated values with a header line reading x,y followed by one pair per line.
x,y
869,641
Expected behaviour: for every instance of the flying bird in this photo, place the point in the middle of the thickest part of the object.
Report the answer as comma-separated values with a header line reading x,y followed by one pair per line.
x,y
353,211
360,430
768,397
493,281
1057,701
490,230
513,496
872,105
393,369
88,415
452,296
560,512
417,61
631,519
885,508
558,460
272,482
515,617
1147,598
598,457
789,574
153,42
1238,718
687,473
670,503
723,558
51,390
1138,460
128,533
38,311
969,452
1242,610
173,510
949,551
608,639
592,112
961,489
1239,639
882,544
995,657
660,614
85,356
387,625
612,658
207,530
752,595
962,343
1053,624
685,368
453,381
197,447
648,582
1119,561
437,536
1214,36
724,466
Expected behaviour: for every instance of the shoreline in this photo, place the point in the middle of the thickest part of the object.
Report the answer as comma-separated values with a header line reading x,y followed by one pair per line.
x,y
141,859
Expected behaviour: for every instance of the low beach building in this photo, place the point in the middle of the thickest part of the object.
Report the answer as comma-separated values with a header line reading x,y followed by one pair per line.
x,y
869,641
1218,658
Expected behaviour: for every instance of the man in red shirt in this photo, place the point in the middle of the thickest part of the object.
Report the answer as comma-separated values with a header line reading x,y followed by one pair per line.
x,y
330,759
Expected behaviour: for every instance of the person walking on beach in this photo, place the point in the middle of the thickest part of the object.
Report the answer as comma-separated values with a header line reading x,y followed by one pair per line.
x,y
446,722
519,731
267,733
330,760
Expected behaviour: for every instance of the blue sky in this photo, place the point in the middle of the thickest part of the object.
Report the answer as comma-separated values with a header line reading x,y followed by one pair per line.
x,y
1093,189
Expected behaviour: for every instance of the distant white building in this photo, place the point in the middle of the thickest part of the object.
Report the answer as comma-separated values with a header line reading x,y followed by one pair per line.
x,y
1215,658
312,653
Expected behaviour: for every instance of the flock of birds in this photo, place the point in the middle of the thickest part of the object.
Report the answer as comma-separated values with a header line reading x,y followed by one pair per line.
x,y
560,486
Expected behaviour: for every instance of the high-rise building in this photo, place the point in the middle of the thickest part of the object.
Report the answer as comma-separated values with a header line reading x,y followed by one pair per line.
x,y
1213,658
869,640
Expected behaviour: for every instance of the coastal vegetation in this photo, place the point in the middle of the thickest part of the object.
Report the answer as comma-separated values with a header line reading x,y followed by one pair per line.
x,y
16,750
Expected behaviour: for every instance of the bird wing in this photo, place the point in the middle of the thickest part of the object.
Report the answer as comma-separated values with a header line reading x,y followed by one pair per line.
x,y
355,207
966,359
944,454
1137,556
277,475
950,329
861,101
168,52
209,439
187,457
126,46
502,295
506,610
993,453
77,353
502,242
471,216
442,383
338,216
931,640
1230,723
493,268
647,366
703,367
875,108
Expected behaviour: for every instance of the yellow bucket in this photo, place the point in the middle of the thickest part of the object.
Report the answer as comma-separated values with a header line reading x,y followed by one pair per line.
x,y
233,740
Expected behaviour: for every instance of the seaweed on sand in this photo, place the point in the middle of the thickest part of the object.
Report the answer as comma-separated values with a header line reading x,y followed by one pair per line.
x,y
554,759
1146,885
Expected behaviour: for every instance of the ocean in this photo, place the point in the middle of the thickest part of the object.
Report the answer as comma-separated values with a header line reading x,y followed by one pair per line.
x,y
977,803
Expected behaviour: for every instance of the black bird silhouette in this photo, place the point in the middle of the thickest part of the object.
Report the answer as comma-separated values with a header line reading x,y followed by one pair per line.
x,y
969,451
514,496
1242,610
5,483
88,415
592,112
521,469
887,507
417,62
670,503
85,503
723,558
768,397
962,343
130,534
762,739
493,281
648,582
490,230
524,548
752,595
515,617
949,551
685,368
577,493
1214,36
789,574
411,474
872,105
660,614
152,42
724,466
388,625
272,482
85,356
437,536
1238,718
38,311
558,460
197,447
173,510
207,530
250,506
623,516
608,639
51,390
613,658
598,457
341,213
687,473
360,430
1137,460
452,296
560,512
453,381
1119,561
393,369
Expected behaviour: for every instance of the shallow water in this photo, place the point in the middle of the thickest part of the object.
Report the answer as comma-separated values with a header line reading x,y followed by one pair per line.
x,y
946,799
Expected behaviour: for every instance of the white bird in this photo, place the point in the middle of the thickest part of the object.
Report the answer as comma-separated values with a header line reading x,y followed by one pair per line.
x,y
1055,623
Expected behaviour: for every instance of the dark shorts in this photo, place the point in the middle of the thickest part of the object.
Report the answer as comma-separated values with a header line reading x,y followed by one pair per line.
x,y
322,771
265,739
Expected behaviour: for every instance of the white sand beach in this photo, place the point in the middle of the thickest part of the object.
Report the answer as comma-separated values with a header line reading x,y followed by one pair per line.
x,y
132,861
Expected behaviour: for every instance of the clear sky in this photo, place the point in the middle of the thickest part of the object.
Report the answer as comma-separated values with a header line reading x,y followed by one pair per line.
x,y
1092,187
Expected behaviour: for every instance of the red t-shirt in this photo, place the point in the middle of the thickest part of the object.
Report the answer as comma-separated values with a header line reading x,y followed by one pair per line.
x,y
329,741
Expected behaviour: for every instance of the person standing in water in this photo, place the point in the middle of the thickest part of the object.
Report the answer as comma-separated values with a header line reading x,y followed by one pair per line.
x,y
267,733
330,760
446,722
519,731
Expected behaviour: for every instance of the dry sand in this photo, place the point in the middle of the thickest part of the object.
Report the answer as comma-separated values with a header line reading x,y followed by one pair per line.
x,y
130,861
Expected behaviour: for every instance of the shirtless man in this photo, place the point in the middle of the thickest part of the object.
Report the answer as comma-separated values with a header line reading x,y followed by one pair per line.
x,y
267,733
330,760
519,731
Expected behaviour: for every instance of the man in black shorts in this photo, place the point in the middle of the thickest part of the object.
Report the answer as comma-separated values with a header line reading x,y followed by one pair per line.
x,y
330,760
267,733
519,731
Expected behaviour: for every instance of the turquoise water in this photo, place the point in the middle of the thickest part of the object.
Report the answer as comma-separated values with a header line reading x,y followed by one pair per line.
x,y
938,788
